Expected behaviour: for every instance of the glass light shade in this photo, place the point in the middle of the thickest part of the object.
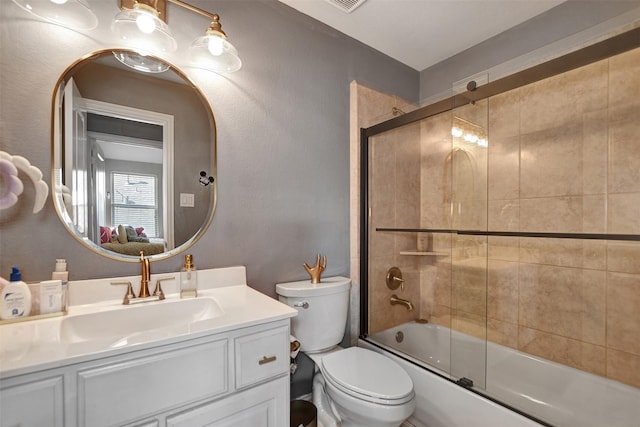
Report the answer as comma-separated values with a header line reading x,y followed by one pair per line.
x,y
141,62
143,31
214,53
74,14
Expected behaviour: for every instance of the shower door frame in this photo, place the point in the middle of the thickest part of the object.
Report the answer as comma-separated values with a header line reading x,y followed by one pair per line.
x,y
596,52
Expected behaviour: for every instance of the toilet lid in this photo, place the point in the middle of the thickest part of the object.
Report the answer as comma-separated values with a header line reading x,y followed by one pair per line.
x,y
368,374
304,288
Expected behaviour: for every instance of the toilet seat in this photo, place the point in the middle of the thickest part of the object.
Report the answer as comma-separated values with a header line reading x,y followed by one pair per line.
x,y
368,376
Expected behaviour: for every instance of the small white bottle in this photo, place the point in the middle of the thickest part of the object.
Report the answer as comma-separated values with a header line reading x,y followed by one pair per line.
x,y
16,297
50,296
422,243
188,278
61,273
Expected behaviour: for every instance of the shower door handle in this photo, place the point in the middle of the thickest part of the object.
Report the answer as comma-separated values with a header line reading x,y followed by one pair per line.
x,y
303,304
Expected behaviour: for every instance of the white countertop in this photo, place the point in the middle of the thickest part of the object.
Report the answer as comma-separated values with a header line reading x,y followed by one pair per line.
x,y
35,345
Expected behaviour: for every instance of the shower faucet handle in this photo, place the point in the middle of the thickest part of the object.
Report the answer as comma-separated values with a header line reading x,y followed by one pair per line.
x,y
394,279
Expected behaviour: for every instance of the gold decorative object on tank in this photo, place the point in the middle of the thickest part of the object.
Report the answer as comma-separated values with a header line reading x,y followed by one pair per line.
x,y
317,269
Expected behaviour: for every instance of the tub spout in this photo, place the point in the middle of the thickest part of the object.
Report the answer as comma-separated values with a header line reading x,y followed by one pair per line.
x,y
395,300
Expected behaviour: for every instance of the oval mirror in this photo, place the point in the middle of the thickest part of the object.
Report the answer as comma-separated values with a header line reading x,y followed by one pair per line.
x,y
133,156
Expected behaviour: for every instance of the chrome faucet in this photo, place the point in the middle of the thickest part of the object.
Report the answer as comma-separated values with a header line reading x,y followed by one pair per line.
x,y
395,300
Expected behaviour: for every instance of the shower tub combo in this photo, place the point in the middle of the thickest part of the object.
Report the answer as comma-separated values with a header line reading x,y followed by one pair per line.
x,y
506,217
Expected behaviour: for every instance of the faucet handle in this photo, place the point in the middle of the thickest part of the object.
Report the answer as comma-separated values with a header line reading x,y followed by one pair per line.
x,y
157,292
129,295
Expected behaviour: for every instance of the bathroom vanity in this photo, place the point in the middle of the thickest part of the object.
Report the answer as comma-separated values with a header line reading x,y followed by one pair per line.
x,y
221,359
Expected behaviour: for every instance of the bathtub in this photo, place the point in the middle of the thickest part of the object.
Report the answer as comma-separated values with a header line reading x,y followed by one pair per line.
x,y
548,391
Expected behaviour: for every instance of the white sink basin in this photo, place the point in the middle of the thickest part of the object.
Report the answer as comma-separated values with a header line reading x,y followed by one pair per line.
x,y
138,319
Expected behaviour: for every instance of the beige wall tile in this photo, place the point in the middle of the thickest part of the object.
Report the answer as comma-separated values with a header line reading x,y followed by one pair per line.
x,y
624,70
503,333
565,98
442,291
502,291
469,286
622,213
469,323
504,215
504,167
504,115
590,254
574,353
551,162
504,248
435,182
595,148
428,277
563,214
624,156
623,257
623,367
623,321
563,301
594,214
551,214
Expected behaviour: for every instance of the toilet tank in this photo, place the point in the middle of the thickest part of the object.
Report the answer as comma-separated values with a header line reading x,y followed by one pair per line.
x,y
322,311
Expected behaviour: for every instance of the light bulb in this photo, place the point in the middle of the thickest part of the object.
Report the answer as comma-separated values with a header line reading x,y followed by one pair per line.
x,y
145,23
58,1
215,45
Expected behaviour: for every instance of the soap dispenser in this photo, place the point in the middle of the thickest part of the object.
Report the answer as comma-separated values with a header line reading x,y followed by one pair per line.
x,y
16,297
188,278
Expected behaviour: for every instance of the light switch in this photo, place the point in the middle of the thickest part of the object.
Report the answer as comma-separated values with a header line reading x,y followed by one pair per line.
x,y
187,200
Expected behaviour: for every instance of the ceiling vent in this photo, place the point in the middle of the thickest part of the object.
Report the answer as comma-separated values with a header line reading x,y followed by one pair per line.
x,y
347,6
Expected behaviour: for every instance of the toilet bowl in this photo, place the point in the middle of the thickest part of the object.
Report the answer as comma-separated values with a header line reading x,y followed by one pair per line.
x,y
366,388
352,387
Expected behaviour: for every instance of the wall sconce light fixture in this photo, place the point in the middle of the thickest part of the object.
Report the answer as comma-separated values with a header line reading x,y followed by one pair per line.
x,y
142,25
74,14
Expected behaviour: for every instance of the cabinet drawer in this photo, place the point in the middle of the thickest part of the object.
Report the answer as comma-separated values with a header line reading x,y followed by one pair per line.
x,y
261,355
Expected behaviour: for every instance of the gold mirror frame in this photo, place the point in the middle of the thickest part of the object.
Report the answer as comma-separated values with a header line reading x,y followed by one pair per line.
x,y
56,195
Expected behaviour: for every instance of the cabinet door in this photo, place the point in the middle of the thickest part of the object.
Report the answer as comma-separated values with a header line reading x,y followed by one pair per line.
x,y
120,392
266,405
34,403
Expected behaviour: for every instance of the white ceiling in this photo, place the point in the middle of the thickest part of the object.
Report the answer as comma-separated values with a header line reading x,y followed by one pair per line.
x,y
421,33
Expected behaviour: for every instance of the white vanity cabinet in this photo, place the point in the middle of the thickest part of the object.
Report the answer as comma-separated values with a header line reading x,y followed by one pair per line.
x,y
32,400
239,377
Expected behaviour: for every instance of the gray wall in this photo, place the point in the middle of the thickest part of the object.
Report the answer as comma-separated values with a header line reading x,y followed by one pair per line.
x,y
565,21
283,138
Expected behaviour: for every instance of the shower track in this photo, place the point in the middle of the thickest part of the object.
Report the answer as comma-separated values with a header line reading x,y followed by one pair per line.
x,y
582,236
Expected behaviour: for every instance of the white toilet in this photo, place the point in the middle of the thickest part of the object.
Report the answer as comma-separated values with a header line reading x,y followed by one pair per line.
x,y
354,386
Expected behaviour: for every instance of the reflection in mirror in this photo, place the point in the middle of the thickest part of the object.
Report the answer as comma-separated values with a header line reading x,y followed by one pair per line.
x,y
128,151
